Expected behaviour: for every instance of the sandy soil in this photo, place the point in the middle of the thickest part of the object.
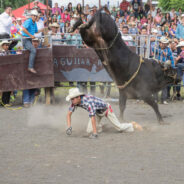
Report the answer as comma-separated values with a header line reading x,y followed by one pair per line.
x,y
34,148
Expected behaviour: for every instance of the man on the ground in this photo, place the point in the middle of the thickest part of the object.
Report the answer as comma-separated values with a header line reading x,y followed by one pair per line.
x,y
97,109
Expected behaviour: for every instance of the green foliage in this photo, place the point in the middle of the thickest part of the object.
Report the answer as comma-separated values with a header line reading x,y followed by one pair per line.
x,y
169,4
13,3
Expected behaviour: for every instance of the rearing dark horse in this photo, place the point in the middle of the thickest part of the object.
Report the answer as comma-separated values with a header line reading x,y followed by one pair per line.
x,y
144,78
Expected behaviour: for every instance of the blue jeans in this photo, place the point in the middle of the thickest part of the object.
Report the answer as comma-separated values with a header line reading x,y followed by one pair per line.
x,y
28,45
28,96
180,68
164,94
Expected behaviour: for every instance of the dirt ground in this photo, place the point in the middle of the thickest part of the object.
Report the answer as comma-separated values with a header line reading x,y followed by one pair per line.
x,y
34,148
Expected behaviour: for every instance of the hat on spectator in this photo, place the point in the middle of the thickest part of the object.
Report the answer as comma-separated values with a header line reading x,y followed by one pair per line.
x,y
74,92
34,12
35,7
54,25
163,39
75,16
4,42
181,44
131,23
19,18
154,30
182,15
145,24
35,39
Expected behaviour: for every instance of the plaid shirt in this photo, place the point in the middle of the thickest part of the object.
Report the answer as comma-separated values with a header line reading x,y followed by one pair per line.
x,y
90,103
162,58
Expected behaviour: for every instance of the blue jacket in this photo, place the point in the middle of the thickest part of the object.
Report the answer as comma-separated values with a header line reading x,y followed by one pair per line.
x,y
162,58
30,26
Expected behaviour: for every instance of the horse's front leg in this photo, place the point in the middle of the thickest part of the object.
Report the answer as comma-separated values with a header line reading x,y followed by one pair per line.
x,y
122,103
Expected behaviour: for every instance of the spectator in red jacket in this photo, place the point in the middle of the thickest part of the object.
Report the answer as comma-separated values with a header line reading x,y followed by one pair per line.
x,y
65,16
124,5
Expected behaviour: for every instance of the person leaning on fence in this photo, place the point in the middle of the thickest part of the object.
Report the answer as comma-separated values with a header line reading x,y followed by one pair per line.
x,y
4,47
29,94
176,89
164,55
28,30
128,39
55,34
180,59
97,109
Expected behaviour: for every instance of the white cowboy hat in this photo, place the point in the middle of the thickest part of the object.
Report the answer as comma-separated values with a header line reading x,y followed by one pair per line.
x,y
73,92
163,39
54,25
75,16
19,18
35,39
154,30
181,44
34,12
145,24
5,42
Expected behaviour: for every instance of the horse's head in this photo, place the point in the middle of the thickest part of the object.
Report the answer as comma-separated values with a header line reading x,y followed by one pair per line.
x,y
77,23
100,31
171,74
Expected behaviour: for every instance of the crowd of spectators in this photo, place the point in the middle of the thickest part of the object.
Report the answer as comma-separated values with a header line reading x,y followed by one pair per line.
x,y
133,18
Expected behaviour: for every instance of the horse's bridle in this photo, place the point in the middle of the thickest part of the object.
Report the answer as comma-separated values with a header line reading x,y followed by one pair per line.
x,y
107,48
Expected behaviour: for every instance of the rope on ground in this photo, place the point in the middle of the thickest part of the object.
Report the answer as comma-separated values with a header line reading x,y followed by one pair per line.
x,y
8,106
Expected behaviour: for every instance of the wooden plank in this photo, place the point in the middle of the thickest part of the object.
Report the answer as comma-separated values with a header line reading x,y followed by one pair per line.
x,y
15,76
47,96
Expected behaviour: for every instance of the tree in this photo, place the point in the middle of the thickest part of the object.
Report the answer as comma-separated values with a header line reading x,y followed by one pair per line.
x,y
169,4
13,3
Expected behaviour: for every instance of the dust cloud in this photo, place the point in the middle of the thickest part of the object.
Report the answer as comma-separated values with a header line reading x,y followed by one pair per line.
x,y
55,117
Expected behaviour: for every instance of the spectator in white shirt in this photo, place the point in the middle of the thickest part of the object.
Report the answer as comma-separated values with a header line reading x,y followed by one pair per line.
x,y
40,25
127,38
5,27
5,23
153,11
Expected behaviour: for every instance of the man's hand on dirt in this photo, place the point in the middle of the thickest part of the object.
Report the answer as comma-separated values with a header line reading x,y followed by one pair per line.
x,y
69,131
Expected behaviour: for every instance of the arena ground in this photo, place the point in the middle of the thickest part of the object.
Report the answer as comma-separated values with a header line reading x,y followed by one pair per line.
x,y
34,148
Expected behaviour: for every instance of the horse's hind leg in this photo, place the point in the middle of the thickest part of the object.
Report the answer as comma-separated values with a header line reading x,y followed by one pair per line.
x,y
122,103
150,100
